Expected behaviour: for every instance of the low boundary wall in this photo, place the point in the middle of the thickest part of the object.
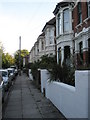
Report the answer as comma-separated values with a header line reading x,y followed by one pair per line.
x,y
73,102
30,75
0,102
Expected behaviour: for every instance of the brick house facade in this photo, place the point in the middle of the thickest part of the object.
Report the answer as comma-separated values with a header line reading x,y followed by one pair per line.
x,y
81,27
75,39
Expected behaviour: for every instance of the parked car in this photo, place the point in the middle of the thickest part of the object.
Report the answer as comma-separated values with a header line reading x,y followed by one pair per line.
x,y
11,73
5,77
2,91
15,70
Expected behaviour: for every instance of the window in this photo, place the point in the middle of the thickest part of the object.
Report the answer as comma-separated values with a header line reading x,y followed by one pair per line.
x,y
88,3
66,19
51,54
42,45
50,36
79,13
81,52
59,24
67,55
59,55
50,40
37,48
89,51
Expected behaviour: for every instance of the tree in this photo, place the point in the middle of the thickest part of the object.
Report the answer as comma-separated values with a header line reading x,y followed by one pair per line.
x,y
24,53
7,60
1,52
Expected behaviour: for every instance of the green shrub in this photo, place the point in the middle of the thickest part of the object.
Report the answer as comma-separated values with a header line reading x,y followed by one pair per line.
x,y
64,73
34,70
57,72
45,63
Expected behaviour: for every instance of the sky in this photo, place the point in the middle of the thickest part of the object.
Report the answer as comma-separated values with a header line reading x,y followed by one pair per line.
x,y
25,18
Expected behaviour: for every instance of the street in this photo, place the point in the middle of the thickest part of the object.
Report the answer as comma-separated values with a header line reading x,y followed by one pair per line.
x,y
26,101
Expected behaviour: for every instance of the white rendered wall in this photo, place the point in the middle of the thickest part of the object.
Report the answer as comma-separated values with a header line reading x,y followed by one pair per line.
x,y
30,75
0,102
44,77
71,101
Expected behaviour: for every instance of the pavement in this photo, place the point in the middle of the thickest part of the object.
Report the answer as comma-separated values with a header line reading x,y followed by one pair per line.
x,y
26,101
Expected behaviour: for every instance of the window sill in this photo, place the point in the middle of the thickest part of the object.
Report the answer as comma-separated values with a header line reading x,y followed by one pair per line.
x,y
79,25
86,20
65,33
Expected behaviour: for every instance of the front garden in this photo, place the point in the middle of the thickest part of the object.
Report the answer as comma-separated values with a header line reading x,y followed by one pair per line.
x,y
57,72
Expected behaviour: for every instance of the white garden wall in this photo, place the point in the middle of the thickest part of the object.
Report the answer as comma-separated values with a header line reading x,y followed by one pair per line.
x,y
0,102
30,75
44,77
71,101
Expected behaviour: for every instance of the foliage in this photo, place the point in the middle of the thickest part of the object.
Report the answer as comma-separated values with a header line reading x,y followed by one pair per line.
x,y
24,53
63,74
34,69
82,67
45,63
56,68
7,60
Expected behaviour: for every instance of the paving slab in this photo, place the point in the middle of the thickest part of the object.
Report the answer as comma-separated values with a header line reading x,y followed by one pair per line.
x,y
26,101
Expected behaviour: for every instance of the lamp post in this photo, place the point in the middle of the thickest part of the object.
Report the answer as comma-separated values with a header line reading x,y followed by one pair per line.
x,y
19,55
0,57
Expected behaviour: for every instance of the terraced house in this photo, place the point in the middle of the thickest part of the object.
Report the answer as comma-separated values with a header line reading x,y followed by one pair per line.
x,y
64,31
67,35
50,35
45,44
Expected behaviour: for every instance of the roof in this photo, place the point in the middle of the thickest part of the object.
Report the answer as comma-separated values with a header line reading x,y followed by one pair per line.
x,y
50,22
64,3
41,34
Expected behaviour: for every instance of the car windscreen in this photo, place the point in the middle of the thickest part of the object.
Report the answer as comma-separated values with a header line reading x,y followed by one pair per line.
x,y
10,71
4,74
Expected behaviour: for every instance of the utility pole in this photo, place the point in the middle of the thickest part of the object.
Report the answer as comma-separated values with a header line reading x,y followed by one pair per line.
x,y
1,51
19,55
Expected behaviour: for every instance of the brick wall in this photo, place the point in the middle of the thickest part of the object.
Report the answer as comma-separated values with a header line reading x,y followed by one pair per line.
x,y
84,16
